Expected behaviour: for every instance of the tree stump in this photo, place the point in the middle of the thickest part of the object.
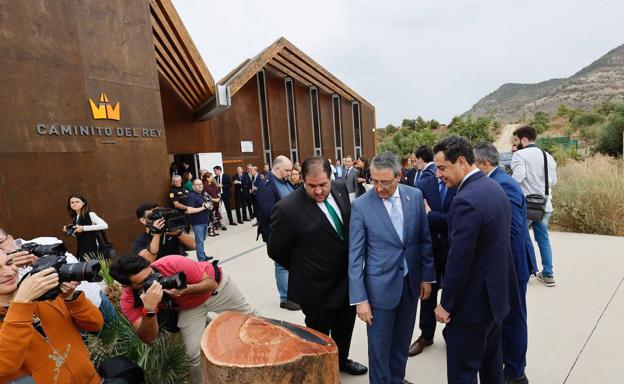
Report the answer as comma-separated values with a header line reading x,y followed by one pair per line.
x,y
239,348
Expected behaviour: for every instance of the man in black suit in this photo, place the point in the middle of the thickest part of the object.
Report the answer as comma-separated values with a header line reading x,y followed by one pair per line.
x,y
312,227
479,285
224,182
242,184
438,200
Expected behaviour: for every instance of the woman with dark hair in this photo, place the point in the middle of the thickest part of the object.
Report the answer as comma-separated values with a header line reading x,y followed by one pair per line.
x,y
363,165
187,180
295,177
86,226
211,190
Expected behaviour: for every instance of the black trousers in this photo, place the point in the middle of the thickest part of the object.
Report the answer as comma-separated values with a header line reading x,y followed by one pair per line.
x,y
241,203
335,322
474,349
251,205
427,321
228,207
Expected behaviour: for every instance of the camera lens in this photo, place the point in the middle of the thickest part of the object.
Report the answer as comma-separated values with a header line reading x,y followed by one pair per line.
x,y
177,281
84,271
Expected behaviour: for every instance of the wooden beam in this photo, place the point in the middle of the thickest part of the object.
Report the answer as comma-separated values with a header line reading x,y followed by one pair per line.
x,y
175,86
169,52
193,94
309,79
188,46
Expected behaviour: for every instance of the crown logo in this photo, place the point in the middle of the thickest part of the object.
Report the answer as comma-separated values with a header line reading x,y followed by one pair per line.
x,y
104,110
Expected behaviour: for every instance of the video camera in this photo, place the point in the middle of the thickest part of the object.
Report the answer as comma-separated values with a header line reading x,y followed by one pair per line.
x,y
53,256
174,220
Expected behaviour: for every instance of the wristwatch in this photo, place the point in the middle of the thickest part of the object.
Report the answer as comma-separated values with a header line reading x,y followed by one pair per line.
x,y
149,313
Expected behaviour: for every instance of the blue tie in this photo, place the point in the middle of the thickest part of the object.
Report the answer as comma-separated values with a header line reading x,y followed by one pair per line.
x,y
397,221
442,189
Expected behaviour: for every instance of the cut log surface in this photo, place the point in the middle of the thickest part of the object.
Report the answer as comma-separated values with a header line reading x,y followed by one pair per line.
x,y
239,348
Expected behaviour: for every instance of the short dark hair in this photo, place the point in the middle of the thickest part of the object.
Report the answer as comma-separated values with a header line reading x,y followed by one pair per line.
x,y
127,265
316,163
455,146
425,153
217,168
527,132
140,211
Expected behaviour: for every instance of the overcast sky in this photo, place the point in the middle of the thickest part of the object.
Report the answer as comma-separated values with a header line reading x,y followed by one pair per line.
x,y
433,58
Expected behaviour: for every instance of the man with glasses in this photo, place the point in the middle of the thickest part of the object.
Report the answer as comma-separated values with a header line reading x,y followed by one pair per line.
x,y
390,266
208,290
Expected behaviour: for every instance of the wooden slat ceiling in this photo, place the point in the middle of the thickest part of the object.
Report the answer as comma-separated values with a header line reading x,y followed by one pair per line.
x,y
178,60
284,59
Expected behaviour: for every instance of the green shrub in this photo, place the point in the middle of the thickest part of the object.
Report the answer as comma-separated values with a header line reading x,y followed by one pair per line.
x,y
586,119
588,196
541,122
610,136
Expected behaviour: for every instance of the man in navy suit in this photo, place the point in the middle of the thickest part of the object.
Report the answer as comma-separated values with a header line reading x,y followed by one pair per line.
x,y
424,167
515,330
437,203
479,285
390,266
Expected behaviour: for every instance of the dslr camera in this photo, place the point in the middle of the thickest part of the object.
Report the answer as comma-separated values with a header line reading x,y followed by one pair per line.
x,y
54,256
69,229
175,281
174,220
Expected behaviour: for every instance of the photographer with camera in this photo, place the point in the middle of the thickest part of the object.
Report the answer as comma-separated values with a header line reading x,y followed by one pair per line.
x,y
163,233
192,288
85,225
24,255
41,338
199,216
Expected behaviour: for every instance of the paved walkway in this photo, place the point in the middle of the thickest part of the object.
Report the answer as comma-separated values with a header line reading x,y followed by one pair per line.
x,y
576,330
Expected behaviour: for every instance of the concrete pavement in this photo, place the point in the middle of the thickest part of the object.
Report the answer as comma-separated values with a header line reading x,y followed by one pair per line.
x,y
575,328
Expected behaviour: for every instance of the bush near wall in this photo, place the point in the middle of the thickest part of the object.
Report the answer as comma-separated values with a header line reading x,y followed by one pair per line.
x,y
589,196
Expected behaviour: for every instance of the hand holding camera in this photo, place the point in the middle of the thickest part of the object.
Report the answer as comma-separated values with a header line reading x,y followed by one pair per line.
x,y
34,286
68,290
152,296
23,259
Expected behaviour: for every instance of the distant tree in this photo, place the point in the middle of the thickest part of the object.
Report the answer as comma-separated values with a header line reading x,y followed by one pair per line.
x,y
390,129
610,136
475,130
541,121
404,141
420,124
586,119
605,108
408,124
434,124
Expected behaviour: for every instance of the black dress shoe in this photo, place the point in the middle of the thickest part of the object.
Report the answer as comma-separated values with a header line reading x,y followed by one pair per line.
x,y
290,305
353,368
518,380
255,225
233,223
223,228
240,222
246,219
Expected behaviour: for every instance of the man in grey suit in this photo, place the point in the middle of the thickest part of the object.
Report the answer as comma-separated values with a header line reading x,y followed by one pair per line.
x,y
390,266
350,177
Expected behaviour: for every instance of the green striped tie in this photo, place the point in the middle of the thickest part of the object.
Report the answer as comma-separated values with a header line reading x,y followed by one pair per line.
x,y
334,216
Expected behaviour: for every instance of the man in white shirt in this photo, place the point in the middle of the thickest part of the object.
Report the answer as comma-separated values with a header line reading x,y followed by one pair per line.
x,y
527,165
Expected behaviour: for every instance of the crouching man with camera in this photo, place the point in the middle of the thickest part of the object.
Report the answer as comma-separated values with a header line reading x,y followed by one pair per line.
x,y
190,287
40,337
163,233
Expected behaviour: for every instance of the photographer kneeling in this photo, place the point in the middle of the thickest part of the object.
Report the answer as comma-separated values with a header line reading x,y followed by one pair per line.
x,y
202,288
41,338
163,235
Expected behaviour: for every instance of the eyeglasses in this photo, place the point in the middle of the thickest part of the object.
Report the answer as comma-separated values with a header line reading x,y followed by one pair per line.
x,y
385,184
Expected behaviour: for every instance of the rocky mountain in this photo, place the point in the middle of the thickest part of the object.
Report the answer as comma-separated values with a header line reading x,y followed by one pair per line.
x,y
600,81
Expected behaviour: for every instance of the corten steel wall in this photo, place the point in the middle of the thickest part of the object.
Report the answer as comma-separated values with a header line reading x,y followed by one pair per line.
x,y
222,133
55,55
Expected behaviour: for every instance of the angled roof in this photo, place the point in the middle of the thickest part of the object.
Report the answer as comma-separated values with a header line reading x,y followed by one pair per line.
x,y
179,62
283,58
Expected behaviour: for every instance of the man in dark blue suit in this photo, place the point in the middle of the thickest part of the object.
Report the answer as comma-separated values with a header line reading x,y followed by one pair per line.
x,y
424,167
437,203
479,285
390,266
515,330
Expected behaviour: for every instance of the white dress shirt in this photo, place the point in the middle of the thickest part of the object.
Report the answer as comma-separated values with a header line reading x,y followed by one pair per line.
x,y
467,176
332,202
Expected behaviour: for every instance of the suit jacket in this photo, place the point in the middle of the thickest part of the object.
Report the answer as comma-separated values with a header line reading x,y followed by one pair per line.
x,y
311,249
349,179
521,244
341,176
410,175
266,196
226,180
243,188
479,282
376,252
438,224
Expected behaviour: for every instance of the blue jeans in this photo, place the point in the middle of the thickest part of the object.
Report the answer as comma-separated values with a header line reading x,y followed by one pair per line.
x,y
107,309
281,278
200,236
540,230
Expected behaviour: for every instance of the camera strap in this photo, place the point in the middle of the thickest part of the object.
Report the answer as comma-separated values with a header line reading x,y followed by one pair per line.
x,y
217,271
